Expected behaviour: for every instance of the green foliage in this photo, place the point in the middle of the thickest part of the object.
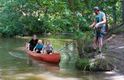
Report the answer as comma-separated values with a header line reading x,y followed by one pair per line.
x,y
83,64
55,16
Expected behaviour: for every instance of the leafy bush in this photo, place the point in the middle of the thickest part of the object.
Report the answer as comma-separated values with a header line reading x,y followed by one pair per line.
x,y
83,64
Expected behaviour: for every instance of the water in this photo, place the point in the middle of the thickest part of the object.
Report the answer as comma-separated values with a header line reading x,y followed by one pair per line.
x,y
13,64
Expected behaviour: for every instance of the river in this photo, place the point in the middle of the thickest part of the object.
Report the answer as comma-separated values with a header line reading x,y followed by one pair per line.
x,y
14,66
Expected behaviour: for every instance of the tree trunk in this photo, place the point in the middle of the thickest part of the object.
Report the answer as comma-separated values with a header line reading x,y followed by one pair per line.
x,y
114,14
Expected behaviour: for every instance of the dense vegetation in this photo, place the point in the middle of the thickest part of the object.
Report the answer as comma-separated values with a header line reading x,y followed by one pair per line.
x,y
26,17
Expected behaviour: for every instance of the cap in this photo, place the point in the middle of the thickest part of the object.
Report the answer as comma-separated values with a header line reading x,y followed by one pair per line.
x,y
96,8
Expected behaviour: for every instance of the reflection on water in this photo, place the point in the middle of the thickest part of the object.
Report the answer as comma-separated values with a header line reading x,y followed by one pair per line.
x,y
13,64
68,57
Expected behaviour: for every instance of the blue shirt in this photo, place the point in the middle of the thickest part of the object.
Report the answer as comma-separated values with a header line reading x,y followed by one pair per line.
x,y
99,18
39,46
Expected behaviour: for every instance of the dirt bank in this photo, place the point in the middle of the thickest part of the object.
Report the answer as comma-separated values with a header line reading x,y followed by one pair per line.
x,y
116,51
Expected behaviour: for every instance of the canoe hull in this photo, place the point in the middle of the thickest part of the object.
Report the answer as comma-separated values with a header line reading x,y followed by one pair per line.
x,y
50,58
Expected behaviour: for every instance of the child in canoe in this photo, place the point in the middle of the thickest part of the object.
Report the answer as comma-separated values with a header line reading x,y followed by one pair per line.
x,y
48,48
39,47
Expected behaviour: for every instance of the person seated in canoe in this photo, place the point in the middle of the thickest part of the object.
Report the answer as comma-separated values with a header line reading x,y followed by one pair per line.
x,y
39,47
48,48
32,43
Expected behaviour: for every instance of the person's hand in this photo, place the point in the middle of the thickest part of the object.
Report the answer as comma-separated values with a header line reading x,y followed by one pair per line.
x,y
91,26
97,25
33,51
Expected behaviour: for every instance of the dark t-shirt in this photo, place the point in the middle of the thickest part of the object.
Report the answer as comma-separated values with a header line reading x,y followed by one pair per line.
x,y
33,43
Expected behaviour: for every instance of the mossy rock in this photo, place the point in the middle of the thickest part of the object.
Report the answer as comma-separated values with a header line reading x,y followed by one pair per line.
x,y
101,64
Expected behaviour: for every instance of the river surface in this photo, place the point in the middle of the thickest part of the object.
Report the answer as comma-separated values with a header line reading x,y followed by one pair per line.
x,y
14,64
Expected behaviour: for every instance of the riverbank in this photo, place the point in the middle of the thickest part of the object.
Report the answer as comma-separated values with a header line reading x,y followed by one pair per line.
x,y
116,51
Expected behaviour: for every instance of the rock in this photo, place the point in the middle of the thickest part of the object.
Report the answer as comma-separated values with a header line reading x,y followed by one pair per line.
x,y
101,63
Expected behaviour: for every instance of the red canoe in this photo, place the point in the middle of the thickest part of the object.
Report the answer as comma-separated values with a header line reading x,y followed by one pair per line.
x,y
50,58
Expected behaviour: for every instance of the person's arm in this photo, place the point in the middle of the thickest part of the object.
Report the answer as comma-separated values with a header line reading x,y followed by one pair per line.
x,y
102,22
51,47
27,45
35,47
43,49
93,24
30,42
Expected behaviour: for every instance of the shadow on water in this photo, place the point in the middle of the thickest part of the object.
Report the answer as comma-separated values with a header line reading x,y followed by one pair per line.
x,y
13,63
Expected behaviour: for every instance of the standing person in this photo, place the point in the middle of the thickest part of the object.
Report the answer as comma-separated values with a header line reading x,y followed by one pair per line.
x,y
99,25
32,43
39,47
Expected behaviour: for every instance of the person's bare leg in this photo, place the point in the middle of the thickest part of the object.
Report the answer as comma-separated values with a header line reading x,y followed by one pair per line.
x,y
94,43
100,40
